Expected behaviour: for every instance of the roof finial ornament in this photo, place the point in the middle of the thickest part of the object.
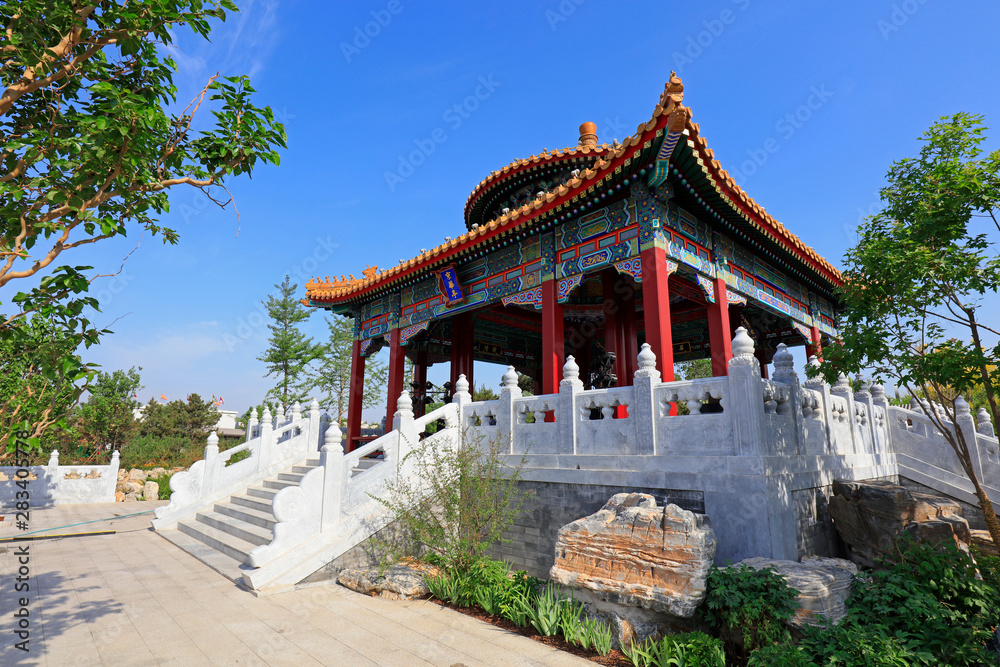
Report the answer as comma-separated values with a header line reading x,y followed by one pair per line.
x,y
588,135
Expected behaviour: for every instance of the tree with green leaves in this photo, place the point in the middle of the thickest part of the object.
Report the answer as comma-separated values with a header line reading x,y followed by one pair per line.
x,y
89,151
290,352
916,284
190,418
333,375
107,416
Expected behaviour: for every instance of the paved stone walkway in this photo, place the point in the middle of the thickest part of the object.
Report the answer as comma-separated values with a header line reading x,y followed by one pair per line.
x,y
134,599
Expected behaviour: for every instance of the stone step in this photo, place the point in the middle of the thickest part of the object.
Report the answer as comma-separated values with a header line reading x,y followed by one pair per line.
x,y
219,540
278,484
294,477
225,565
258,516
258,492
252,502
235,527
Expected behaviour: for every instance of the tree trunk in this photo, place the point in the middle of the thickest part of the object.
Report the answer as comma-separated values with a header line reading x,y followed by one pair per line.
x,y
992,523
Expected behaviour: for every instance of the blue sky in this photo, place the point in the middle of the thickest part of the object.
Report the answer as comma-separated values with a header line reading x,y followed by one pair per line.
x,y
806,103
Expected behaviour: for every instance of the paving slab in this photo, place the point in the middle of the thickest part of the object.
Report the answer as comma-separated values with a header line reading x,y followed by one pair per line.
x,y
133,598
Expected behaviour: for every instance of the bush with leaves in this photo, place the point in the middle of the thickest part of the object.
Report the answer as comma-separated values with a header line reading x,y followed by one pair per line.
x,y
457,504
930,599
106,419
748,606
688,649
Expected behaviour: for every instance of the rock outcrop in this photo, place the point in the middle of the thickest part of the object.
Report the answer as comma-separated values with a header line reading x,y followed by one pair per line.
x,y
150,491
399,582
631,552
824,584
869,516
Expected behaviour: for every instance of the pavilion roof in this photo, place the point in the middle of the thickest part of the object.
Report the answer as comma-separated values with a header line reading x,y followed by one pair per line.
x,y
669,115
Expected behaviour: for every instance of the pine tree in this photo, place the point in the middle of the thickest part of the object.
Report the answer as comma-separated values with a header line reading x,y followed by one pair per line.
x,y
333,377
290,351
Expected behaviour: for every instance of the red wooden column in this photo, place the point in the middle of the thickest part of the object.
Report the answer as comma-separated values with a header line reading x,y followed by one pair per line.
x,y
462,336
552,338
816,347
718,330
656,304
397,355
355,395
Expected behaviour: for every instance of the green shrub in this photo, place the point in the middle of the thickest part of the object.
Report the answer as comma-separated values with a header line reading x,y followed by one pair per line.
x,y
546,614
989,566
854,644
748,606
780,655
599,637
929,598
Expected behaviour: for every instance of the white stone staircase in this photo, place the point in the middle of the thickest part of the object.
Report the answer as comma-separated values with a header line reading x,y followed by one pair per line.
x,y
269,521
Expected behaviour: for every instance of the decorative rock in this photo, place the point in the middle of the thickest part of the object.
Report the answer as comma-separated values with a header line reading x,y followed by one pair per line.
x,y
137,475
982,540
151,491
824,584
119,497
130,498
632,552
400,582
869,516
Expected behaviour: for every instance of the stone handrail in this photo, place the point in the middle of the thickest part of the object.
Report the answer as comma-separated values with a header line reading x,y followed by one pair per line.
x,y
338,491
55,484
214,477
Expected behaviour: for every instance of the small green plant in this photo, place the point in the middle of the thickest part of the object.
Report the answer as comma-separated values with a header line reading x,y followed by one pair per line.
x,y
585,636
859,644
546,615
600,637
989,566
163,482
748,606
570,620
689,649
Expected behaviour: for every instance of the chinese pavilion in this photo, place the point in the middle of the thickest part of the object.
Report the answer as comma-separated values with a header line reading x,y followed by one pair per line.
x,y
593,250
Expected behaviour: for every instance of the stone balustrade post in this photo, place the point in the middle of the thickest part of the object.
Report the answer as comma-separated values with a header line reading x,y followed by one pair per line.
x,y
817,383
314,433
53,463
983,424
509,391
863,396
252,424
296,412
266,439
212,464
784,372
967,423
880,401
643,407
406,433
744,399
111,483
334,477
842,388
279,415
566,415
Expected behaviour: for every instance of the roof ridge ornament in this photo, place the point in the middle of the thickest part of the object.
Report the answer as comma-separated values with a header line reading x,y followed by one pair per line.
x,y
588,135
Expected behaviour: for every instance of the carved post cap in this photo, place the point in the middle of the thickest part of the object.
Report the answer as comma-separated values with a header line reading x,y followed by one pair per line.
x,y
314,405
842,385
783,359
404,404
115,455
962,408
54,457
983,417
462,384
647,363
742,343
510,378
332,438
815,381
267,415
213,440
253,417
571,371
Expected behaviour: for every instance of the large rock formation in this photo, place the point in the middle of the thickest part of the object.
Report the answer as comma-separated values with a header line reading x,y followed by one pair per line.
x,y
632,552
869,516
824,584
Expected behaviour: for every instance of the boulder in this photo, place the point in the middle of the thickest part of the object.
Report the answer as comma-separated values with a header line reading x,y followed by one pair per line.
x,y
150,491
870,515
130,498
119,497
399,582
633,553
137,475
982,539
824,584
